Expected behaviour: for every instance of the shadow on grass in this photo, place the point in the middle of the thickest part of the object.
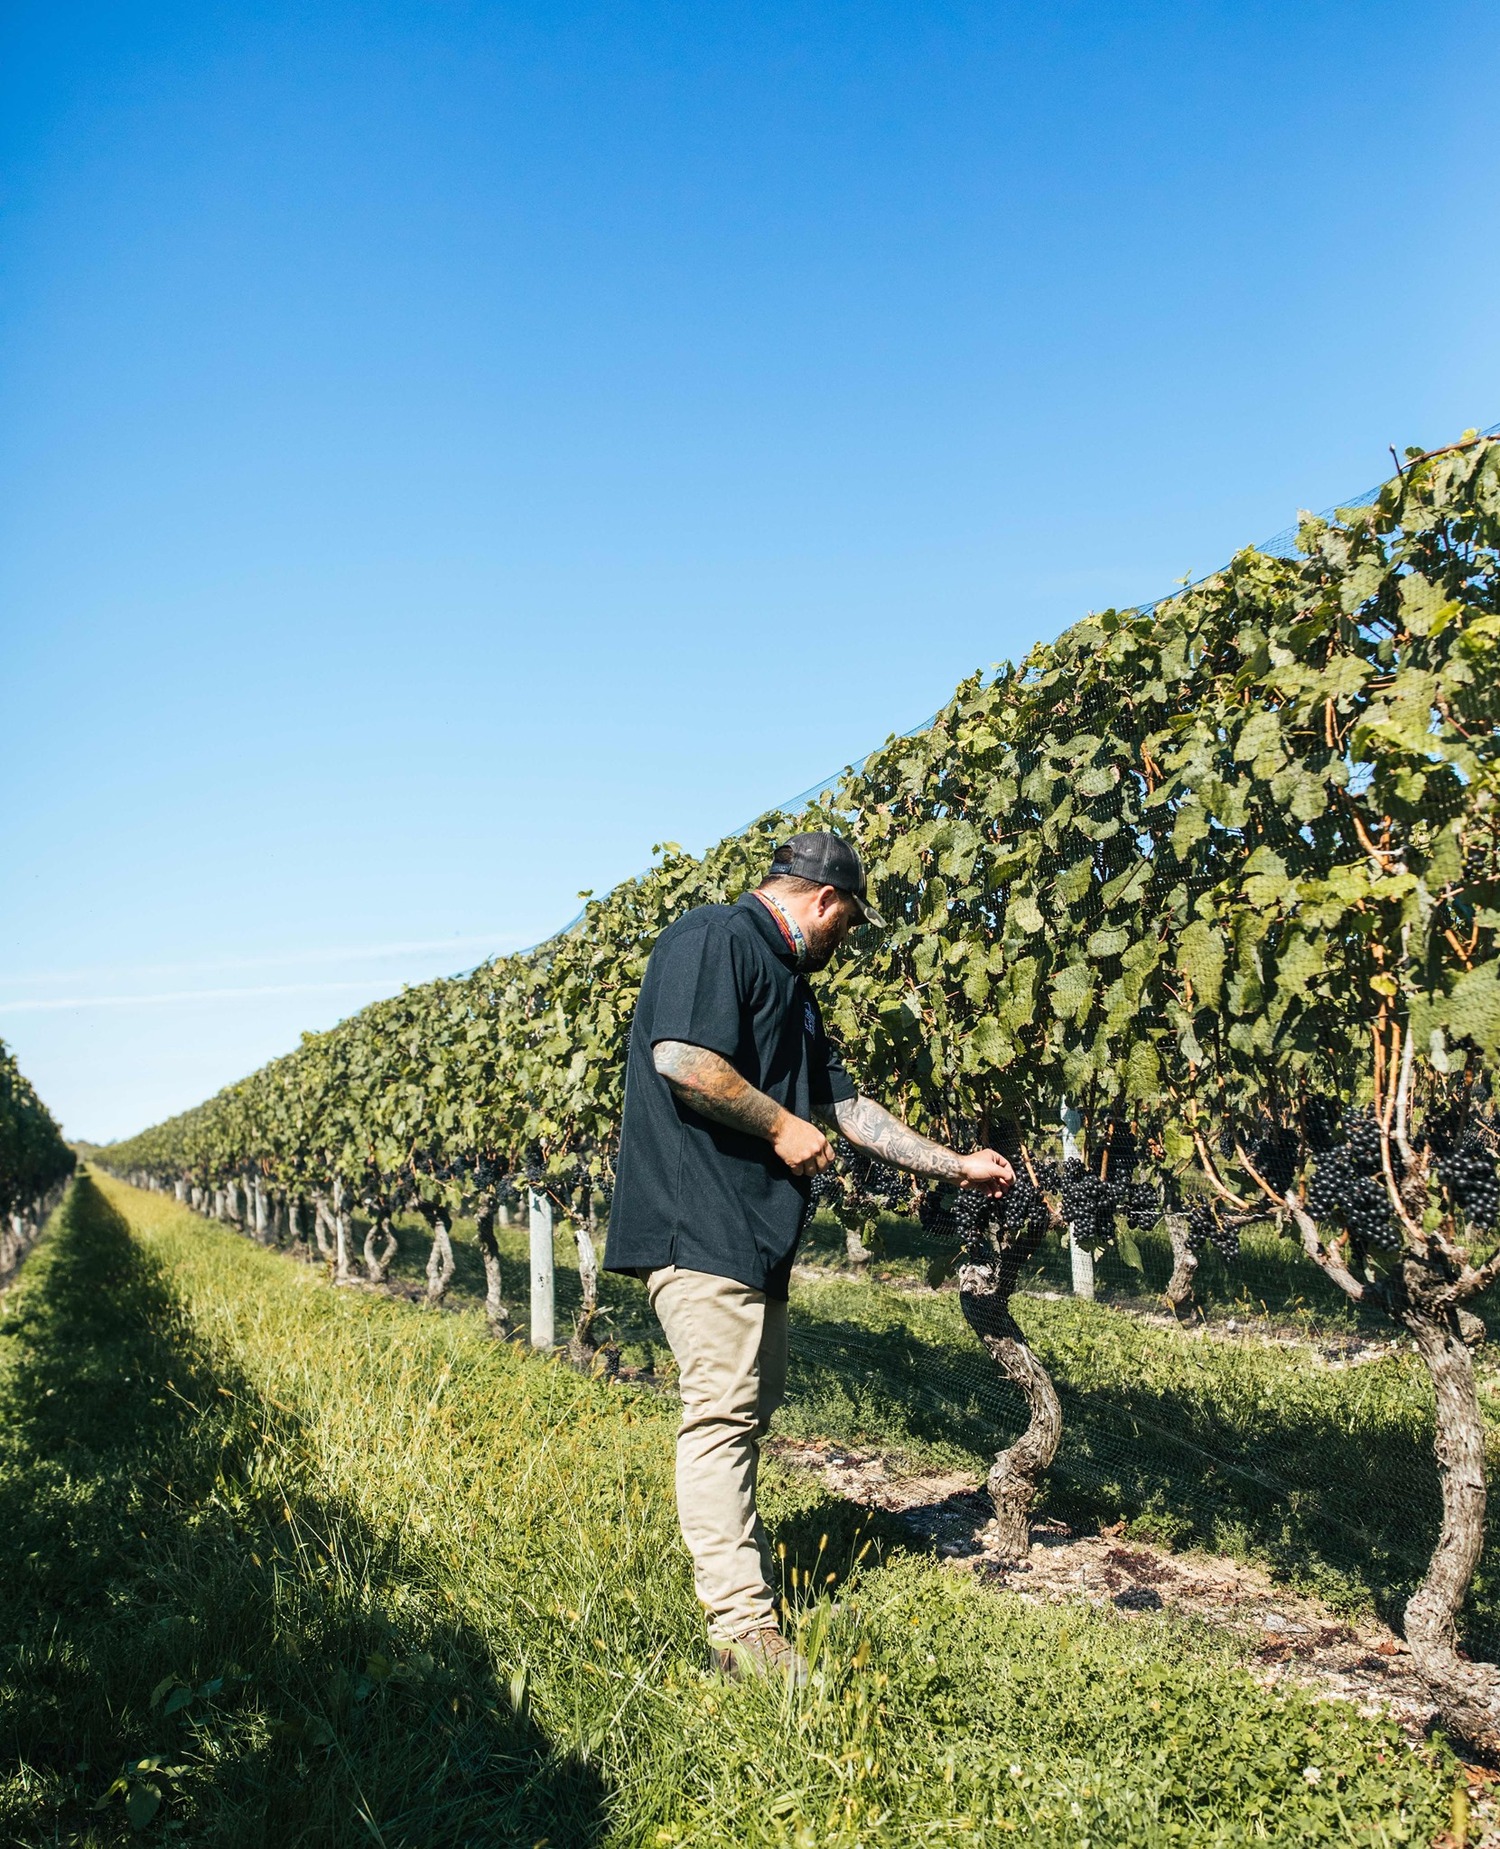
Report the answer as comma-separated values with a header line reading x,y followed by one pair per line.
x,y
819,1539
1339,1495
175,1587
1337,1498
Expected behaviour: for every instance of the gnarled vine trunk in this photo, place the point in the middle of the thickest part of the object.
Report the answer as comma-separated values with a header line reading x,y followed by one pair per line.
x,y
440,1261
856,1250
381,1246
1179,1289
1467,1694
985,1287
343,1233
1421,1297
21,1228
496,1314
581,1345
324,1231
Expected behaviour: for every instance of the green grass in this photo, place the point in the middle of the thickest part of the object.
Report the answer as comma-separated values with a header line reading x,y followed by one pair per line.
x,y
355,1573
1327,1476
1258,1450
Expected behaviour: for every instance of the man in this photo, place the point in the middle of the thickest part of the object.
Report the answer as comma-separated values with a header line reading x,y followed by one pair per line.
x,y
728,1067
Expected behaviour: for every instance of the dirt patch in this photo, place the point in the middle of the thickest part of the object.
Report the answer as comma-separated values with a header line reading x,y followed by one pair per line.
x,y
1292,1638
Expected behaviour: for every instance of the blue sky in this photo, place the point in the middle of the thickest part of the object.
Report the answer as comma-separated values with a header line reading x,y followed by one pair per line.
x,y
446,449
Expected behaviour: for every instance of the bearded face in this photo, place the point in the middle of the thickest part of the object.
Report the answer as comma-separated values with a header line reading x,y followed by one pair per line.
x,y
824,935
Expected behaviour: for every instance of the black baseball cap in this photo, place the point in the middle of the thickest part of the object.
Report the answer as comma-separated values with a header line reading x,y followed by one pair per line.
x,y
831,862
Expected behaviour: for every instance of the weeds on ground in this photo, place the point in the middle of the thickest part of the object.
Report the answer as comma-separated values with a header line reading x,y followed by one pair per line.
x,y
1261,1451
1327,1476
345,1571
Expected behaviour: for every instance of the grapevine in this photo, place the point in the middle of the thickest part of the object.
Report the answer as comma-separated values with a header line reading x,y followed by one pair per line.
x,y
34,1162
1225,867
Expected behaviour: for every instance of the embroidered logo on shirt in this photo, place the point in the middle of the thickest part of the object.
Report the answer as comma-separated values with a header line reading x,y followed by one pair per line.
x,y
810,1018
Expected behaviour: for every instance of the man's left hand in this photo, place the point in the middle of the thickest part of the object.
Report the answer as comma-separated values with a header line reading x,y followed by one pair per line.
x,y
986,1171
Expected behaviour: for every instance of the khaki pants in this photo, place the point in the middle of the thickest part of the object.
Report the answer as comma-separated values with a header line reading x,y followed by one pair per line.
x,y
731,1349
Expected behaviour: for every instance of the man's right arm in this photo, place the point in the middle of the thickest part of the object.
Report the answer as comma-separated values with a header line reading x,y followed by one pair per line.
x,y
708,1084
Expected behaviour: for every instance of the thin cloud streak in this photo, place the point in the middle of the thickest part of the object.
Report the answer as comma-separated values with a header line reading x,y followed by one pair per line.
x,y
181,995
499,943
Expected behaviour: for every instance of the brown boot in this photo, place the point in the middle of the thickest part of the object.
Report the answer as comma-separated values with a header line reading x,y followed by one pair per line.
x,y
761,1653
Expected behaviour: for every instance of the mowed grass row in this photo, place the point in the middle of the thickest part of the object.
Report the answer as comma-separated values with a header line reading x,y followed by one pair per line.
x,y
1325,1475
337,1570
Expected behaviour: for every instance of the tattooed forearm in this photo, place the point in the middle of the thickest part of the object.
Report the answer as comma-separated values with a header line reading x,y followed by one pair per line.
x,y
870,1127
708,1083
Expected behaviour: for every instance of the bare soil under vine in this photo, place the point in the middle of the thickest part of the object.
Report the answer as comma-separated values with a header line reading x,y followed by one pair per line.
x,y
1289,1637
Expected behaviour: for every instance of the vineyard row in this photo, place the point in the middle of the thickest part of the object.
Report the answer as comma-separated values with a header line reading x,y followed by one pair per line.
x,y
1194,912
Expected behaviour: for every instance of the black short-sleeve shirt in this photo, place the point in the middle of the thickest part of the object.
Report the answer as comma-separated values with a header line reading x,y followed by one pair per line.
x,y
689,1191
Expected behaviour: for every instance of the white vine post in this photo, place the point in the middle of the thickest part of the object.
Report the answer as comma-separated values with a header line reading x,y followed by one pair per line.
x,y
1083,1261
543,1317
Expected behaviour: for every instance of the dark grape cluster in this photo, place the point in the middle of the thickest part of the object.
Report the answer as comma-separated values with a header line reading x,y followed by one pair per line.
x,y
1024,1209
974,1218
1320,1119
1362,1134
1348,1189
1120,1152
932,1212
1089,1204
433,1162
1205,1228
826,1186
578,1192
1275,1152
488,1171
978,1220
878,1182
1443,1128
1143,1206
1469,1176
